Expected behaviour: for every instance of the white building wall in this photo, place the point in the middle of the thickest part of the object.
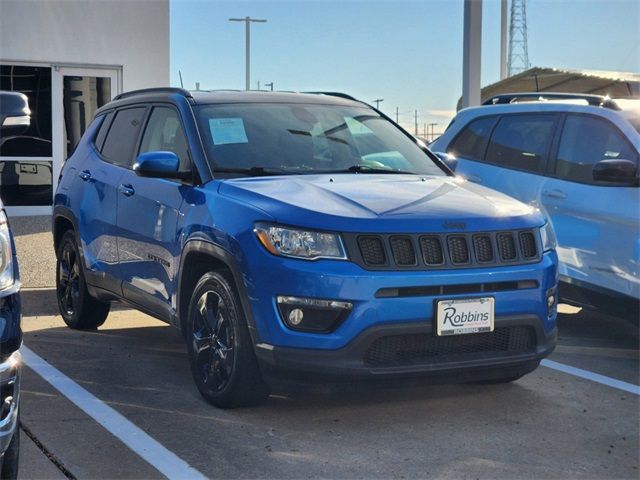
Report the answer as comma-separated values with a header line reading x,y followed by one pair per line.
x,y
64,55
133,35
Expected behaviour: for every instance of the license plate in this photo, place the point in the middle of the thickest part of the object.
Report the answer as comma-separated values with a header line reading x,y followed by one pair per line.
x,y
469,315
28,168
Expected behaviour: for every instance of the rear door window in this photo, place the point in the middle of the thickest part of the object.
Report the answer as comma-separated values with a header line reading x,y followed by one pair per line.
x,y
104,128
122,137
471,142
521,142
585,141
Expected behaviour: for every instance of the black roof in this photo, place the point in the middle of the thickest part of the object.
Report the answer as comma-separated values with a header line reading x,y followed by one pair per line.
x,y
202,97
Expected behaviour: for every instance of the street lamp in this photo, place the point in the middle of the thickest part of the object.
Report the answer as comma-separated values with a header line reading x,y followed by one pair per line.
x,y
247,21
270,85
377,102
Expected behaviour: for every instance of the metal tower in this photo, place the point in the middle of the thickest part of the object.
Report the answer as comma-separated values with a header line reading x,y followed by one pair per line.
x,y
518,49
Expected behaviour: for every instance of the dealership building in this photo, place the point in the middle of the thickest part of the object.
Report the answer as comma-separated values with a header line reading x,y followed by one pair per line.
x,y
70,58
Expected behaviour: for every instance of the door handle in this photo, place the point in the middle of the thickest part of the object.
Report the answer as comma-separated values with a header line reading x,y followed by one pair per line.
x,y
85,175
127,190
555,193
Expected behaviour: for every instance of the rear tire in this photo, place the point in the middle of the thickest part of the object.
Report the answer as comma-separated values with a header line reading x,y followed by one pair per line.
x,y
221,355
9,463
78,308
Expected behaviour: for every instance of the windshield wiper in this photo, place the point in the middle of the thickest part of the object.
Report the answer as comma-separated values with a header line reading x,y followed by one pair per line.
x,y
254,171
368,169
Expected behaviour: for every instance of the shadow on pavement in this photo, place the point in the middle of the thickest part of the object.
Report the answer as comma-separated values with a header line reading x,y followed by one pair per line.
x,y
594,328
38,302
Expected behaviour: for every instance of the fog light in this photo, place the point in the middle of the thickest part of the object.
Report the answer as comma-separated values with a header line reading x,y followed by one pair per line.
x,y
311,314
295,316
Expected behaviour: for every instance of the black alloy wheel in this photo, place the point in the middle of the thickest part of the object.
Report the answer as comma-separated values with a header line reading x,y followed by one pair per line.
x,y
68,279
220,348
77,307
213,340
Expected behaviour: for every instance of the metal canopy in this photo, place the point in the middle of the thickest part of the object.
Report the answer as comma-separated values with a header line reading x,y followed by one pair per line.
x,y
537,79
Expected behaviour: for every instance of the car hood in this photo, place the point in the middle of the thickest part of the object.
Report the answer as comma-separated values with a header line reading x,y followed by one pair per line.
x,y
369,202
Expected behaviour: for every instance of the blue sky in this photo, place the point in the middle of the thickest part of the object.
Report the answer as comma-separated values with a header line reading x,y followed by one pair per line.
x,y
407,52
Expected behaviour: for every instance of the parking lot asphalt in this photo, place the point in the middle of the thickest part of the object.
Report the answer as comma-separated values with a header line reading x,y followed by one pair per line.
x,y
548,424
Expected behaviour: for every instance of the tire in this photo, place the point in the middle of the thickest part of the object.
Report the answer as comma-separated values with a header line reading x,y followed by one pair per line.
x,y
9,463
78,308
221,355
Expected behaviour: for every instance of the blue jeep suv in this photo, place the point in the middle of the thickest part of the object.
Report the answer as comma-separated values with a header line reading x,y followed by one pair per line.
x,y
298,234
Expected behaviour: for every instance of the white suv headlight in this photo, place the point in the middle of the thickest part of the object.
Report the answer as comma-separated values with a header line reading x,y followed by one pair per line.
x,y
299,243
548,236
6,254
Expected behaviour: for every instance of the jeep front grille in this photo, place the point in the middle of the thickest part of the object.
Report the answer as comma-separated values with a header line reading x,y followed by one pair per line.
x,y
446,250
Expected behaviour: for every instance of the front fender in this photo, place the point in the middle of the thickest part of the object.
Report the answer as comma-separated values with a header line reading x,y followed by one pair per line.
x,y
201,245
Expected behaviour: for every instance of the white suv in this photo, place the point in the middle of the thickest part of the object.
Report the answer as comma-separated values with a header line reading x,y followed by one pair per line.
x,y
576,158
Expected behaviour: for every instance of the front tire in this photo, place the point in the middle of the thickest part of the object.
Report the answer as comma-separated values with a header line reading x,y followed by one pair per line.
x,y
9,463
221,356
78,308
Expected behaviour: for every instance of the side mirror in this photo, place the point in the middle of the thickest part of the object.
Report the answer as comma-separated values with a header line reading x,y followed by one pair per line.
x,y
616,171
15,115
448,159
158,164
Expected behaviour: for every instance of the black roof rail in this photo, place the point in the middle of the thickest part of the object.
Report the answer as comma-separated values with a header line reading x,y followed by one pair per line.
x,y
132,93
593,100
336,94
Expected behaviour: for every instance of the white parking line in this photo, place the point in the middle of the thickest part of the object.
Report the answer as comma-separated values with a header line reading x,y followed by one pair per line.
x,y
594,377
136,439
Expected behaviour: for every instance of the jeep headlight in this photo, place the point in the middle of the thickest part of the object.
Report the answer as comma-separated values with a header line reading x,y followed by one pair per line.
x,y
6,254
300,243
548,236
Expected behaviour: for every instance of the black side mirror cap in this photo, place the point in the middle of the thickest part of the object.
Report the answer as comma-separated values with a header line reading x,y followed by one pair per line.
x,y
620,171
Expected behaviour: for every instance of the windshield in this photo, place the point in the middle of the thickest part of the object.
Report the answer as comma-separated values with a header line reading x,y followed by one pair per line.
x,y
269,138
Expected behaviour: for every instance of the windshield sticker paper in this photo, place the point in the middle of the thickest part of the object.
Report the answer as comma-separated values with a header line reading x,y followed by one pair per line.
x,y
225,131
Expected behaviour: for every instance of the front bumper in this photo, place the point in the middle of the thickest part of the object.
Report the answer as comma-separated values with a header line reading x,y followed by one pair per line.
x,y
267,277
10,371
461,363
375,321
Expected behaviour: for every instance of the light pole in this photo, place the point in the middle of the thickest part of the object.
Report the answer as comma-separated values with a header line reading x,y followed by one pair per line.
x,y
247,21
270,85
432,126
377,102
